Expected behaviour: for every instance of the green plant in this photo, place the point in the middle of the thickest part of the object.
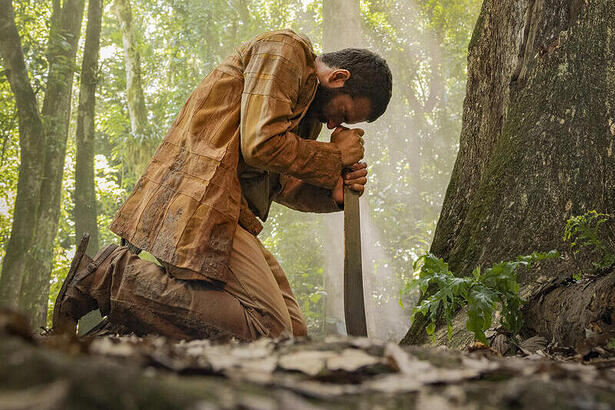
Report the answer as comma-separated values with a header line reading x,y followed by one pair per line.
x,y
482,293
584,231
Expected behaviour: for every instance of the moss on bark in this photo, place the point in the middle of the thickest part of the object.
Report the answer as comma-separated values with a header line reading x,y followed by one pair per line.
x,y
543,152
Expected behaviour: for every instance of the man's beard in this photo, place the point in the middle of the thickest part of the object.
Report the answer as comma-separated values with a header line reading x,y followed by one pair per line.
x,y
323,96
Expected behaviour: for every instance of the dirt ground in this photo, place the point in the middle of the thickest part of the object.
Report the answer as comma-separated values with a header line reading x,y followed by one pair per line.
x,y
128,372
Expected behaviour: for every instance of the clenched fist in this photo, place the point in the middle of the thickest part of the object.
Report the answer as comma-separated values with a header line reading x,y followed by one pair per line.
x,y
354,178
350,143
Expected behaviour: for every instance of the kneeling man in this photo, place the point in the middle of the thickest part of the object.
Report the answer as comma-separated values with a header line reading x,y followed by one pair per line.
x,y
245,137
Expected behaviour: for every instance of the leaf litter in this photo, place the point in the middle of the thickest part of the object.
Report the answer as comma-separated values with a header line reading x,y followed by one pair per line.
x,y
343,368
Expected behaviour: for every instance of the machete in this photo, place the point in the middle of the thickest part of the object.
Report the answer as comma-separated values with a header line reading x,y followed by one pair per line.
x,y
354,307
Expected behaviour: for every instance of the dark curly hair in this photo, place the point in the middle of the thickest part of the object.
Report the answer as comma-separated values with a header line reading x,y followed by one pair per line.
x,y
370,77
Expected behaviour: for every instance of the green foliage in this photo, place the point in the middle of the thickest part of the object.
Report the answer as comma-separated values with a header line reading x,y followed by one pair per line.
x,y
590,231
481,293
410,150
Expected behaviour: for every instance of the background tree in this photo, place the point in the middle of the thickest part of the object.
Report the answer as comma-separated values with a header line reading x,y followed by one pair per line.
x,y
64,36
85,189
410,150
31,170
26,282
143,145
341,28
535,150
341,24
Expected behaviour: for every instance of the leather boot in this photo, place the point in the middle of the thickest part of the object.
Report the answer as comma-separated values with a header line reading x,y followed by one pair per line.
x,y
73,303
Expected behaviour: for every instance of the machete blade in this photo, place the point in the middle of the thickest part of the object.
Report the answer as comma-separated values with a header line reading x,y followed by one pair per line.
x,y
354,306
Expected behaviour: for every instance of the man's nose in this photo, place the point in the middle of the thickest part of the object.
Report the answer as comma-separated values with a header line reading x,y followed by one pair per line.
x,y
332,124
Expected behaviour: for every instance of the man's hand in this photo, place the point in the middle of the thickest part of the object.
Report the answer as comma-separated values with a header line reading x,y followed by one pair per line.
x,y
355,179
350,143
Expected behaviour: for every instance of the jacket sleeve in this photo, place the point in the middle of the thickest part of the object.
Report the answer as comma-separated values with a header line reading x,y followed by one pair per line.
x,y
305,197
275,72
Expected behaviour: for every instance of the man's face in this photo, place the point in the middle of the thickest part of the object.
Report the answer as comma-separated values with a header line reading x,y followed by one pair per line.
x,y
334,107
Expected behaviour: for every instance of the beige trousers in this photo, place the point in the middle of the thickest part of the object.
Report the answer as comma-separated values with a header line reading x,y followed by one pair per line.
x,y
147,298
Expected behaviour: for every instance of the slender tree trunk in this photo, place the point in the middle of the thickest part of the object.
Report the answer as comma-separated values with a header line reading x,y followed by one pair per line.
x,y
341,24
536,148
341,29
139,152
63,42
244,18
31,138
134,87
85,193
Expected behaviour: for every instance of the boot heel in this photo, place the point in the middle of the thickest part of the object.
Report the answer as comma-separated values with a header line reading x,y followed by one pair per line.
x,y
74,267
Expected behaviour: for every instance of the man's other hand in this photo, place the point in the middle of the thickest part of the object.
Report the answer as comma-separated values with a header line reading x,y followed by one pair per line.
x,y
355,178
350,143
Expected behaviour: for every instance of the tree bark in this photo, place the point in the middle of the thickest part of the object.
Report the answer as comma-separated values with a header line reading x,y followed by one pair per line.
x,y
138,152
335,38
579,313
341,26
85,193
536,148
134,87
31,138
63,43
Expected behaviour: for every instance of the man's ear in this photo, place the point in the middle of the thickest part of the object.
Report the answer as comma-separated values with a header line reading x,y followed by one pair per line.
x,y
337,78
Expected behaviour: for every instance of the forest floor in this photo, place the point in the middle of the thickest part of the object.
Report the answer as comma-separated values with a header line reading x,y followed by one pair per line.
x,y
113,372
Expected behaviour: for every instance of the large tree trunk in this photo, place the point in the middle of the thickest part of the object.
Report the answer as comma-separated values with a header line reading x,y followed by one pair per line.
x,y
63,43
536,148
31,138
85,193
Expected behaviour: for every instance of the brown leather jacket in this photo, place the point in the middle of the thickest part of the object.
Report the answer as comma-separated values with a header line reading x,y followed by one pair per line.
x,y
233,149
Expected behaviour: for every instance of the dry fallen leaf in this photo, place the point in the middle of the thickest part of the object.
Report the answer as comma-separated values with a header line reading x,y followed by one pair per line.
x,y
112,347
310,362
351,360
533,345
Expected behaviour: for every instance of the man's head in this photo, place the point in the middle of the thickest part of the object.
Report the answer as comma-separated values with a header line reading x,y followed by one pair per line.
x,y
355,86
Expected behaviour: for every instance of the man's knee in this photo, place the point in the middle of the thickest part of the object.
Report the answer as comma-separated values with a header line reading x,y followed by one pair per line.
x,y
266,324
277,327
299,328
